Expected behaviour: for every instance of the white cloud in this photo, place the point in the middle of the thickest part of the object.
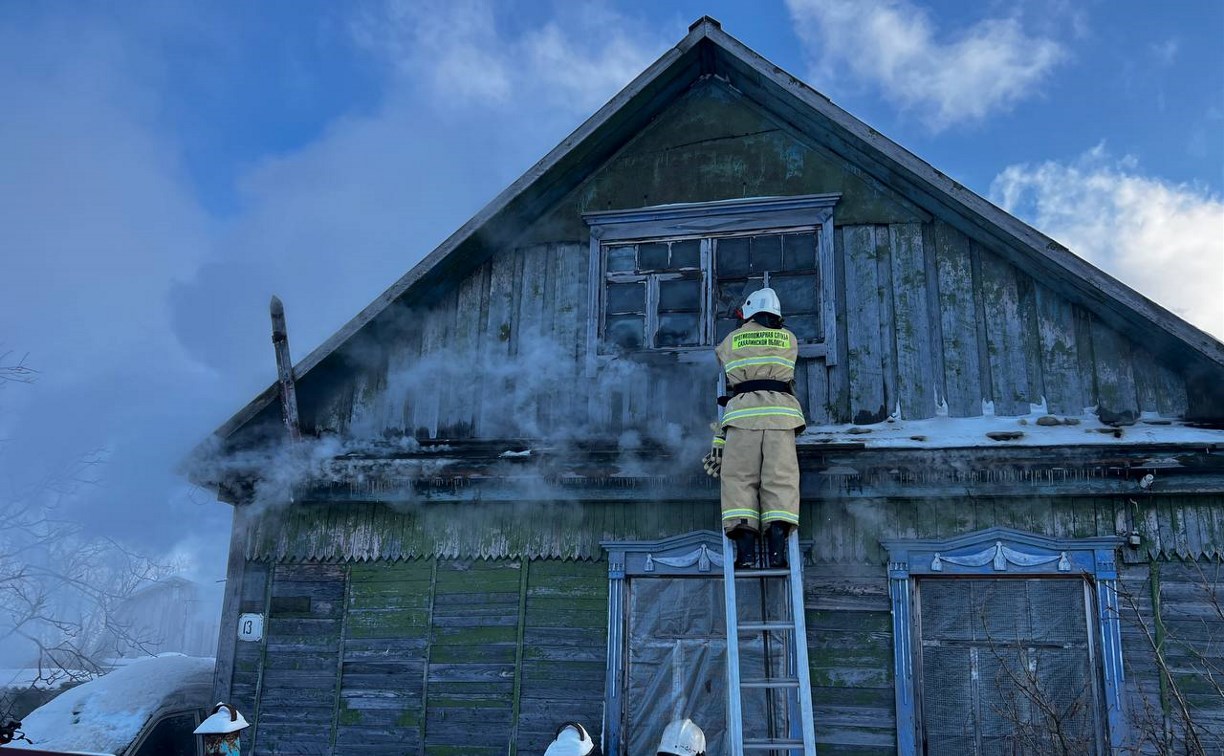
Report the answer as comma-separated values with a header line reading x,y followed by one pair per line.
x,y
575,60
1163,239
893,45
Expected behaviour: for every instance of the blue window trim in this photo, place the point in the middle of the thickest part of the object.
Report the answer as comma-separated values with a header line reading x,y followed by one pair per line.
x,y
1000,552
695,554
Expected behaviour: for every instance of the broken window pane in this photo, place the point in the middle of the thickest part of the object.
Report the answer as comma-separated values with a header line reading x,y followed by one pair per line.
x,y
766,253
686,254
798,294
732,256
652,256
800,252
730,295
621,259
626,297
626,331
680,295
678,329
722,327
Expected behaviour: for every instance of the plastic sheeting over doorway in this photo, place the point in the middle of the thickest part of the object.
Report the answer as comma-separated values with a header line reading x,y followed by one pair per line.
x,y
676,660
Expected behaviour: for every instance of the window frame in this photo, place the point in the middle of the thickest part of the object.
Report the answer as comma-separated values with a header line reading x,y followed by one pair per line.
x,y
705,220
694,555
1004,553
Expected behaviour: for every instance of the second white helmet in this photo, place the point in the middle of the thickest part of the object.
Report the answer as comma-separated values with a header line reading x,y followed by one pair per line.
x,y
762,300
682,738
572,740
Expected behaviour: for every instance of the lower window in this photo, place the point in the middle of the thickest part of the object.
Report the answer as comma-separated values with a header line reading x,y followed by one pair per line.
x,y
1006,642
1007,666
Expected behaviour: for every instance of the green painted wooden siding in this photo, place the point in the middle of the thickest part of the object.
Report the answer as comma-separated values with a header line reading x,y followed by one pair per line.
x,y
431,657
382,680
565,650
469,698
850,654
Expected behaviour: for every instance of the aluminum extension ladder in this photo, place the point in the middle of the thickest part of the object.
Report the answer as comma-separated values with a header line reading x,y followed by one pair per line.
x,y
801,736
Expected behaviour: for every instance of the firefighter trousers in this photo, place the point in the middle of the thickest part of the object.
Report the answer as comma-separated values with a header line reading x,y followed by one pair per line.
x,y
760,479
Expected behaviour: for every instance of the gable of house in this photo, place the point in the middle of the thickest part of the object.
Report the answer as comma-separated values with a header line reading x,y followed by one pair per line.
x,y
930,318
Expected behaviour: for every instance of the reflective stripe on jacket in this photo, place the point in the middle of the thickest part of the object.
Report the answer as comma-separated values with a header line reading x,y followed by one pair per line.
x,y
753,352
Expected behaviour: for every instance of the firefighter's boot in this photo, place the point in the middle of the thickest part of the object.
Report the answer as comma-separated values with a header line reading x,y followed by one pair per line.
x,y
745,548
775,544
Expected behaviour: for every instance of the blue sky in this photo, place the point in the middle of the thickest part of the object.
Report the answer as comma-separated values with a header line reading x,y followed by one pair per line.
x,y
170,165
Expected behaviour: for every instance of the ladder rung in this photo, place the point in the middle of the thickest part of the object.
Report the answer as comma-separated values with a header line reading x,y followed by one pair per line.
x,y
772,745
756,627
745,574
780,682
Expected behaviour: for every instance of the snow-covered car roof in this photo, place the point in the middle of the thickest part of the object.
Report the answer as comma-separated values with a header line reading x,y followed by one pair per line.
x,y
105,715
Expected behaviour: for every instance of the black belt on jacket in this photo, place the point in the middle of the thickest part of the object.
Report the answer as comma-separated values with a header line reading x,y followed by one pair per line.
x,y
747,387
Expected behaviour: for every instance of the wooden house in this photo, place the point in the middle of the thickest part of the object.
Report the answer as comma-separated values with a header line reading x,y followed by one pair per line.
x,y
496,518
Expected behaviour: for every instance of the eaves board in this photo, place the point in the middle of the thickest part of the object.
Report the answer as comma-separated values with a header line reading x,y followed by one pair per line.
x,y
811,112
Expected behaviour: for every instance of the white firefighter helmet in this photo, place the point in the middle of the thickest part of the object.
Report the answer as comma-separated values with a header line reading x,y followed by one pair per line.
x,y
682,738
762,300
572,740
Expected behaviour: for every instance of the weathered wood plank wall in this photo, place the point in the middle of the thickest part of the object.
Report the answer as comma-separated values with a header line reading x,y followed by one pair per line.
x,y
299,675
850,653
564,650
1176,607
934,323
386,644
932,319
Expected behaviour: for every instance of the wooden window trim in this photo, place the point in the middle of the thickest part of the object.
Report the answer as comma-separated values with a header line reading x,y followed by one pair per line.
x,y
1092,559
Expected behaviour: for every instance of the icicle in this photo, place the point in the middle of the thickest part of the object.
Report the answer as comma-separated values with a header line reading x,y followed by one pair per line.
x,y
1039,409
987,408
896,415
941,405
937,563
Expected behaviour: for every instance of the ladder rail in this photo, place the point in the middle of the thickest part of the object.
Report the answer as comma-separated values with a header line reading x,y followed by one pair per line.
x,y
735,710
799,640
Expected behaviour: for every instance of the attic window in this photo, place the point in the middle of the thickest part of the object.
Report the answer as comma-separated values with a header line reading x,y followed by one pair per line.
x,y
670,278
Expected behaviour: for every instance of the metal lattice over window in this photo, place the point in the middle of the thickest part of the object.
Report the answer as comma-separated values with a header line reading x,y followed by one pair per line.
x,y
672,277
1006,642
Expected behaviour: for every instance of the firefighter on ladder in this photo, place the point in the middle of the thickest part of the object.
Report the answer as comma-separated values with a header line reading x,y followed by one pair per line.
x,y
754,444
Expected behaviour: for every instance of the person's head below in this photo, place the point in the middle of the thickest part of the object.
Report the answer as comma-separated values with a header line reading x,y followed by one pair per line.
x,y
682,738
572,740
763,307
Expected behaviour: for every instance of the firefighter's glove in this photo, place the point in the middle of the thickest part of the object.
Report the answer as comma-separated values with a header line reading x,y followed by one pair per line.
x,y
713,460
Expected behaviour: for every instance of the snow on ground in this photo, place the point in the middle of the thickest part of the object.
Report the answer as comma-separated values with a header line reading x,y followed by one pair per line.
x,y
106,714
1035,429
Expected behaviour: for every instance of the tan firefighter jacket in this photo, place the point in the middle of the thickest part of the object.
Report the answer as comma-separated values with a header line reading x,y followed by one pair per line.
x,y
753,352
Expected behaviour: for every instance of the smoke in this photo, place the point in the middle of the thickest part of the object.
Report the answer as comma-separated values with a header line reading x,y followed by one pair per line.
x,y
533,392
